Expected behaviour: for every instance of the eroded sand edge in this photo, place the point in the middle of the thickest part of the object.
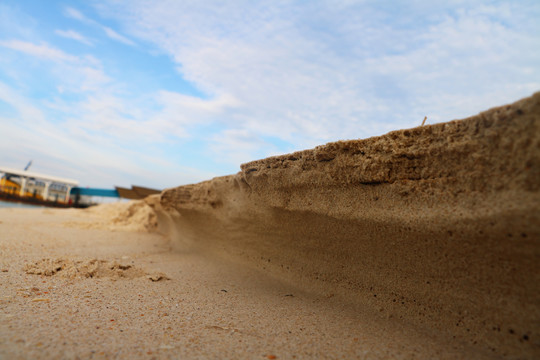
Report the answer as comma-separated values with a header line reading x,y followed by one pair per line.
x,y
436,226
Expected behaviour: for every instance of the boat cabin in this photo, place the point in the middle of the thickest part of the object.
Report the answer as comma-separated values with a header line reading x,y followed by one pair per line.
x,y
30,185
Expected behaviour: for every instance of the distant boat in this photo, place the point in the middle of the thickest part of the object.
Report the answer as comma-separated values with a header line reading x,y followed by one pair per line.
x,y
40,189
34,188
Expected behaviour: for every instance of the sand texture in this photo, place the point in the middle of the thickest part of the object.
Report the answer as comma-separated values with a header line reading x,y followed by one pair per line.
x,y
437,227
422,243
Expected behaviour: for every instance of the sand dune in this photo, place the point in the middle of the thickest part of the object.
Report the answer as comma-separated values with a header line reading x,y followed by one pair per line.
x,y
437,227
422,243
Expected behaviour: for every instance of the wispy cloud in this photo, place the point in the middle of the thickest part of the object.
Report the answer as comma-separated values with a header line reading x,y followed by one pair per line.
x,y
116,36
100,145
112,34
43,51
75,14
71,34
237,146
317,72
72,73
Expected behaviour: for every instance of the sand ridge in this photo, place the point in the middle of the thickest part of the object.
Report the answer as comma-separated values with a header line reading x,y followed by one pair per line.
x,y
437,226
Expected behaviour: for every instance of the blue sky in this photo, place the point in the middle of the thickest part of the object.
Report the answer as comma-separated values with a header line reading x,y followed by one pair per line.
x,y
164,93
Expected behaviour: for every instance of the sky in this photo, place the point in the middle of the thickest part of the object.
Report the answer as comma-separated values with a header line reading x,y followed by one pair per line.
x,y
170,92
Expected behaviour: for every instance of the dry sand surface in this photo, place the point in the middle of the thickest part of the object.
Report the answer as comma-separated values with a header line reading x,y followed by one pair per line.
x,y
422,243
73,289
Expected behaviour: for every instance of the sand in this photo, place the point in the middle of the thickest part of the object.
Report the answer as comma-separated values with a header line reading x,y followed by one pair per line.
x,y
55,304
422,243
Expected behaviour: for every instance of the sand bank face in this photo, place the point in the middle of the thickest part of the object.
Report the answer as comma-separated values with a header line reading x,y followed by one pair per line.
x,y
437,227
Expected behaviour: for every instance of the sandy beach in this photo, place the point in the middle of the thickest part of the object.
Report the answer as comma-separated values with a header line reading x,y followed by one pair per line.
x,y
201,307
419,244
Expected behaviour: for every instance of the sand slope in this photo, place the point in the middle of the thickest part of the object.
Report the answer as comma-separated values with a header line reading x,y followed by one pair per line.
x,y
436,227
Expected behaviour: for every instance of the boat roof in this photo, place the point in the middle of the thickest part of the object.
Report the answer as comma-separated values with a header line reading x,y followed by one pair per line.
x,y
29,174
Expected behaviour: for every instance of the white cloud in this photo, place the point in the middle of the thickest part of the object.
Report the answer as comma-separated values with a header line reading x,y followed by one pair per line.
x,y
116,36
43,51
161,118
75,14
72,73
87,78
236,146
112,34
100,147
71,34
317,72
194,109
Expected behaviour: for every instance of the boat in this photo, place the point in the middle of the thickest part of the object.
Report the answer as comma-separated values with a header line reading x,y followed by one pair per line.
x,y
35,188
47,190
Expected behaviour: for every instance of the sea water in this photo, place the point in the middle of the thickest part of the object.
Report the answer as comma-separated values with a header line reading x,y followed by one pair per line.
x,y
11,204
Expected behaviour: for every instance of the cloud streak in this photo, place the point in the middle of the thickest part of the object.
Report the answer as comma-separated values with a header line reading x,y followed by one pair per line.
x,y
42,51
116,36
76,14
318,72
70,34
112,34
